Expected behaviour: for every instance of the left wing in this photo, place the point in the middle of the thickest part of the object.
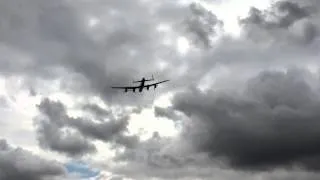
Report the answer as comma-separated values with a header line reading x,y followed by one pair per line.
x,y
125,87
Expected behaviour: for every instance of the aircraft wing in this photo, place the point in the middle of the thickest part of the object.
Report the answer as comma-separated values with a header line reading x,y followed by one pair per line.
x,y
125,87
154,84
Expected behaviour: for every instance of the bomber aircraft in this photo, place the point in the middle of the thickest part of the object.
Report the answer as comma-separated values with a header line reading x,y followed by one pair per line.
x,y
141,86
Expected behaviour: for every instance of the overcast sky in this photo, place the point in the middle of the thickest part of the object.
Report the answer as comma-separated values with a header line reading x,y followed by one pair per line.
x,y
242,102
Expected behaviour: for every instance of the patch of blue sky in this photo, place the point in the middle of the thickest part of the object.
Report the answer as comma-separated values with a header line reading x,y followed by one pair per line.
x,y
81,169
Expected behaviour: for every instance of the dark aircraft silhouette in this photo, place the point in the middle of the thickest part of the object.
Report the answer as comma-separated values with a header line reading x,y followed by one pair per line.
x,y
141,86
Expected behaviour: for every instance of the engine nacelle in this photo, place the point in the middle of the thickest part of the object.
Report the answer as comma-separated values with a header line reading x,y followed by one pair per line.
x,y
155,86
148,87
125,90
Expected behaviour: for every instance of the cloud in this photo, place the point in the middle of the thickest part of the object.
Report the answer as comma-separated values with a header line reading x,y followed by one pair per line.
x,y
51,136
287,13
16,163
55,41
170,159
165,112
203,24
273,123
4,102
163,158
69,142
88,46
76,139
284,18
99,112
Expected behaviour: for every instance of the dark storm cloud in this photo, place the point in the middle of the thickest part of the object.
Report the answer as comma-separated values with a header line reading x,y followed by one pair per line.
x,y
16,163
77,143
275,122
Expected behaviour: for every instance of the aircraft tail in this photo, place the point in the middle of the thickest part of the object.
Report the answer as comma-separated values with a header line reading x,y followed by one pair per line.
x,y
152,79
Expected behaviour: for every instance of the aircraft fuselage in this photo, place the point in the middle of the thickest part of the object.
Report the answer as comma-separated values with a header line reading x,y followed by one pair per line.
x,y
142,84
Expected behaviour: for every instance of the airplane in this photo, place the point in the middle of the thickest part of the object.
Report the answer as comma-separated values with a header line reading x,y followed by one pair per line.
x,y
141,86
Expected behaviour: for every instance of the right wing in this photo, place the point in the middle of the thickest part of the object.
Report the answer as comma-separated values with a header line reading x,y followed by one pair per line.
x,y
154,84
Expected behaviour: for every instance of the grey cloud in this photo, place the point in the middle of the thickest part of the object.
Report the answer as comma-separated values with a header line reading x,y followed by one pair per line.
x,y
103,131
273,47
128,141
116,178
137,110
76,140
207,173
158,157
187,166
293,12
4,102
55,37
16,163
281,17
202,23
55,110
273,124
57,42
290,12
50,39
165,112
4,145
99,112
51,137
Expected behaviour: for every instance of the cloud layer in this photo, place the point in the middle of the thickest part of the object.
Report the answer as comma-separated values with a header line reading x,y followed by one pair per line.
x,y
274,122
237,104
17,163
60,132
